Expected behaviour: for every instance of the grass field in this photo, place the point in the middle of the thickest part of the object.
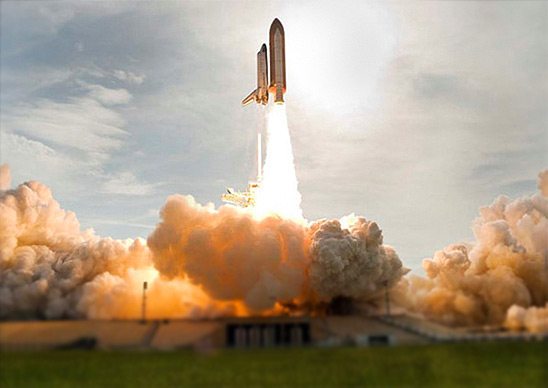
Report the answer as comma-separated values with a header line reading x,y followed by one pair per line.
x,y
509,364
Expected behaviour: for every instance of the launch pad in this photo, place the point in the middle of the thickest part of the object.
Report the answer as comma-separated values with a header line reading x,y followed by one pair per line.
x,y
251,332
246,332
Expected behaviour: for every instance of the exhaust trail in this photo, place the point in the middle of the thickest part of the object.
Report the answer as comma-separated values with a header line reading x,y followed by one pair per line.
x,y
278,193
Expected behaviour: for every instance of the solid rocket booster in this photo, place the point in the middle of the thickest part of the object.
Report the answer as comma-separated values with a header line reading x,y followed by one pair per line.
x,y
277,69
277,61
260,95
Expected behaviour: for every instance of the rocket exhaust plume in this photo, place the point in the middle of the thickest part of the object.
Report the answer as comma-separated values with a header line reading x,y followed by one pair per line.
x,y
278,192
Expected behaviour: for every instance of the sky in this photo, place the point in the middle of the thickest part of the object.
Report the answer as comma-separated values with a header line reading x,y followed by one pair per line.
x,y
412,114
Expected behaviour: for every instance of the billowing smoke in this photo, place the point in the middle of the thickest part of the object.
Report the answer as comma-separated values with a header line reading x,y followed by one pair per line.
x,y
506,266
50,269
204,262
199,262
233,255
533,319
351,262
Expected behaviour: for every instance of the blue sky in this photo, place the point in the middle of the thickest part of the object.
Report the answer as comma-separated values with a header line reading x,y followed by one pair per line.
x,y
413,114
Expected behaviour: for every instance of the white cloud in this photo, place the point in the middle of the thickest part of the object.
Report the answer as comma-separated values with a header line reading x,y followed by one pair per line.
x,y
80,123
129,77
79,46
17,82
109,96
118,222
126,183
32,160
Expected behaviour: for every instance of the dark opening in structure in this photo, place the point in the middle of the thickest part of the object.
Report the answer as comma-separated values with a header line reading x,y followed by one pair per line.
x,y
341,305
379,340
249,335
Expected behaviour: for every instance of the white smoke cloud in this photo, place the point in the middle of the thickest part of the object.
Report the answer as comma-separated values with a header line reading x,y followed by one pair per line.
x,y
202,262
233,255
205,262
351,262
50,269
507,265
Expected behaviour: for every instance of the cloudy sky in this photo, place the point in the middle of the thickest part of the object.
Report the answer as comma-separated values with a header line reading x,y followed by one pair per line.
x,y
411,114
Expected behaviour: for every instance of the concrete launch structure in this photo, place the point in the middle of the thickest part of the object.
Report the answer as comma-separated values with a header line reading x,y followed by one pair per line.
x,y
358,329
277,85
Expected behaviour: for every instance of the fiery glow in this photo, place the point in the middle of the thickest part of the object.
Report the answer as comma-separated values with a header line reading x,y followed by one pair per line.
x,y
278,192
348,221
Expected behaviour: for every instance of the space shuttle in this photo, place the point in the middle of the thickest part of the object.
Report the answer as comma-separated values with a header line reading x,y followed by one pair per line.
x,y
277,85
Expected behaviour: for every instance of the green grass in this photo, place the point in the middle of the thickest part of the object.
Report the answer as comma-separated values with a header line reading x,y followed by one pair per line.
x,y
502,364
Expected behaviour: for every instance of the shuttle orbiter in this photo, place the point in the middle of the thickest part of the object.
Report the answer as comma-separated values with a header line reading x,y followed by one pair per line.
x,y
260,95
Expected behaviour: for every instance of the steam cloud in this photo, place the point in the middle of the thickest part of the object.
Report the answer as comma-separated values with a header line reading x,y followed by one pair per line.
x,y
199,261
351,261
235,256
229,253
205,262
498,278
50,269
